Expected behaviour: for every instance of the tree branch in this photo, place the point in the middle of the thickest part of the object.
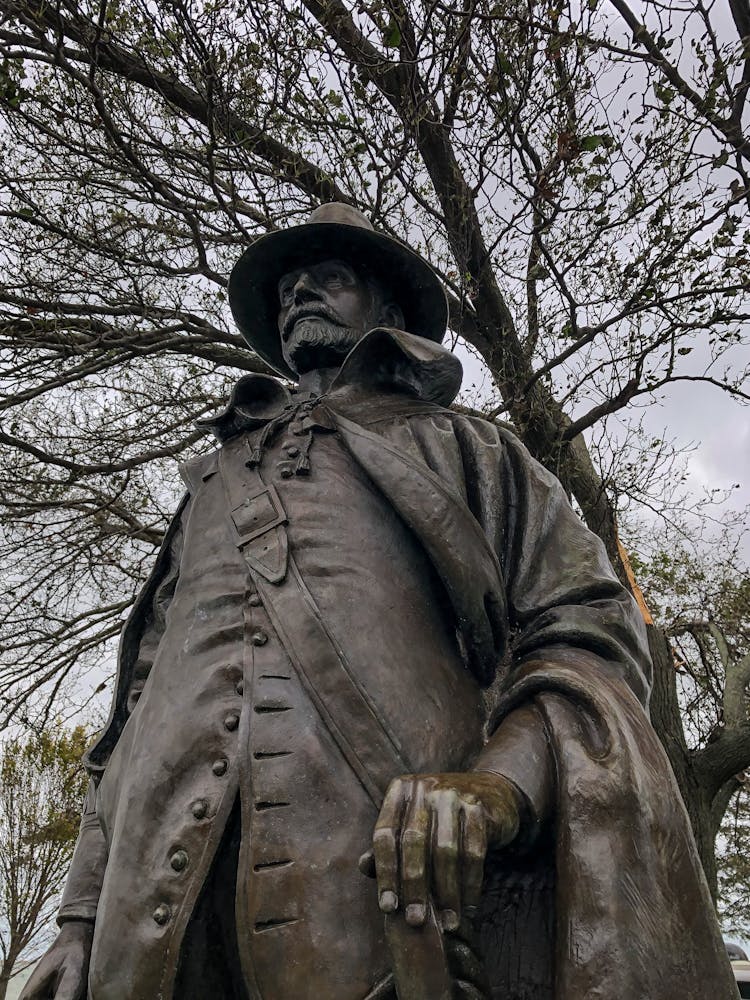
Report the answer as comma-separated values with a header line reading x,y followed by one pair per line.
x,y
735,691
729,128
725,756
107,55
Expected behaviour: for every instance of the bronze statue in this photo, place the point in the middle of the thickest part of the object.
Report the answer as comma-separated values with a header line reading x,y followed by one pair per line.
x,y
298,794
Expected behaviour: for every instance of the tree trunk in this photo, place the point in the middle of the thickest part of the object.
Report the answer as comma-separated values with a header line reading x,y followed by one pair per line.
x,y
5,973
704,831
665,715
9,963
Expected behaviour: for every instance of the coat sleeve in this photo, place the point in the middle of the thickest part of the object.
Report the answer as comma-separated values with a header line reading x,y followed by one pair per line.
x,y
139,642
564,603
84,881
518,750
562,591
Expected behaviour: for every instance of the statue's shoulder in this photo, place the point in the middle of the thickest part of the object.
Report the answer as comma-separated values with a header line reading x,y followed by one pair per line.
x,y
475,433
198,469
487,429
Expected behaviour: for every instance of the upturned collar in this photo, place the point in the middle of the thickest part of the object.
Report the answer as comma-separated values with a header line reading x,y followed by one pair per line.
x,y
385,362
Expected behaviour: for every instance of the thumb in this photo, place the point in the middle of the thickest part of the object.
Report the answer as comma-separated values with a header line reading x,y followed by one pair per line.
x,y
39,986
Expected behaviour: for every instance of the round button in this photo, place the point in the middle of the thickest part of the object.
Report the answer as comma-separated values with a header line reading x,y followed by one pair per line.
x,y
254,601
240,687
259,638
161,914
292,450
219,767
199,808
286,472
231,722
179,860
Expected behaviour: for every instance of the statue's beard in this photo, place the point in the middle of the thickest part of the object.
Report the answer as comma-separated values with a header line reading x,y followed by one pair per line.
x,y
316,342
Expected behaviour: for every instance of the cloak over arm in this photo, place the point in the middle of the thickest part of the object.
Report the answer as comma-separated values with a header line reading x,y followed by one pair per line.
x,y
561,595
562,590
631,911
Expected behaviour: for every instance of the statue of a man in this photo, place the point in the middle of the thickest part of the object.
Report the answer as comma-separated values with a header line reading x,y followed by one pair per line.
x,y
299,702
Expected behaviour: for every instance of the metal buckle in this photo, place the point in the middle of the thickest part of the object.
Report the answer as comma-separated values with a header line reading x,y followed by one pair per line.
x,y
258,514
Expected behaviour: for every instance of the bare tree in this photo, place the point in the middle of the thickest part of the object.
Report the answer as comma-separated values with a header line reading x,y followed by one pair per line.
x,y
41,787
699,593
577,176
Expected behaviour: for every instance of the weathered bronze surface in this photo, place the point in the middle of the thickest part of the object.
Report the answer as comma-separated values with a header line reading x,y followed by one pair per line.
x,y
298,794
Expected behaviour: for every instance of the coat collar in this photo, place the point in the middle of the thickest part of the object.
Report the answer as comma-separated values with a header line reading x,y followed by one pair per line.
x,y
386,362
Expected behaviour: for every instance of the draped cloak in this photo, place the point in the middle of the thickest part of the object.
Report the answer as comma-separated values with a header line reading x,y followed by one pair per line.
x,y
604,895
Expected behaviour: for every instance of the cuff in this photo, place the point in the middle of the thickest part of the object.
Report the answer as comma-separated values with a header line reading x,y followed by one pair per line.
x,y
84,883
519,751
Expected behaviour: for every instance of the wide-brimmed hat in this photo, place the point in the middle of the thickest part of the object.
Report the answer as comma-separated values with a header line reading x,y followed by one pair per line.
x,y
333,231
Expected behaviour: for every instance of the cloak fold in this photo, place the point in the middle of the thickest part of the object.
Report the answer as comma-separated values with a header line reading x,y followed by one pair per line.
x,y
620,907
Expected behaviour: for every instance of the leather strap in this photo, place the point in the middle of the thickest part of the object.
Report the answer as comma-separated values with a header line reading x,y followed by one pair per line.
x,y
256,515
348,713
257,519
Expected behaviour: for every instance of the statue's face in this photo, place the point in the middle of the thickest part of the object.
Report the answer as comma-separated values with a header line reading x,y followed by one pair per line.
x,y
325,309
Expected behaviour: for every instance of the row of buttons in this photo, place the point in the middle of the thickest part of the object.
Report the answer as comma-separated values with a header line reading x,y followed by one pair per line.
x,y
179,859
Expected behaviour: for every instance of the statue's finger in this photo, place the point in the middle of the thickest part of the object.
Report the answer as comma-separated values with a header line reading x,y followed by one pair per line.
x,y
446,859
385,841
71,986
473,853
415,835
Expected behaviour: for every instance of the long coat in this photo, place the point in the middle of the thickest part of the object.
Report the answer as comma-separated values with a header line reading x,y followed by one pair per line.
x,y
302,660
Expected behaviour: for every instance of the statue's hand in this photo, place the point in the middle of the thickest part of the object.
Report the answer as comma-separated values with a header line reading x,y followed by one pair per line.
x,y
431,839
63,971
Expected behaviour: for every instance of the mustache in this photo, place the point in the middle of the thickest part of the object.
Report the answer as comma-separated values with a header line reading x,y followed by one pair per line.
x,y
318,311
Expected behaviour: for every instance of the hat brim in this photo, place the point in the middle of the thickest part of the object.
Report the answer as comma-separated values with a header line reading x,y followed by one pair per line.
x,y
253,283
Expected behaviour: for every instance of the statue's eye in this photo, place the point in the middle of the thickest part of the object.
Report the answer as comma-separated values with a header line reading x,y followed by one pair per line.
x,y
286,293
335,274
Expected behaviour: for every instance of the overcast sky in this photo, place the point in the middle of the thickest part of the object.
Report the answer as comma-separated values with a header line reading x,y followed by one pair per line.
x,y
714,425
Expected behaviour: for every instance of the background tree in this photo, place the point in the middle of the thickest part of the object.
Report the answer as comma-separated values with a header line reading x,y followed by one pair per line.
x,y
41,788
734,865
700,596
576,174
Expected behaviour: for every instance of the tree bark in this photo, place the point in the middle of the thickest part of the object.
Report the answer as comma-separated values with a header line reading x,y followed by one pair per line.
x,y
697,792
5,973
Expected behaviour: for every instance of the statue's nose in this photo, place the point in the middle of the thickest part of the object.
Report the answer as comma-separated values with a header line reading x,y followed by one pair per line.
x,y
306,289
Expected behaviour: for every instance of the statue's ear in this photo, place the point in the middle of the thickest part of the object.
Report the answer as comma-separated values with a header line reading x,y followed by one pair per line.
x,y
391,315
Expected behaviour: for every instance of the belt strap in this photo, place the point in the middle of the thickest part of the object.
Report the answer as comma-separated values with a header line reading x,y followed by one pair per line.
x,y
256,519
256,515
